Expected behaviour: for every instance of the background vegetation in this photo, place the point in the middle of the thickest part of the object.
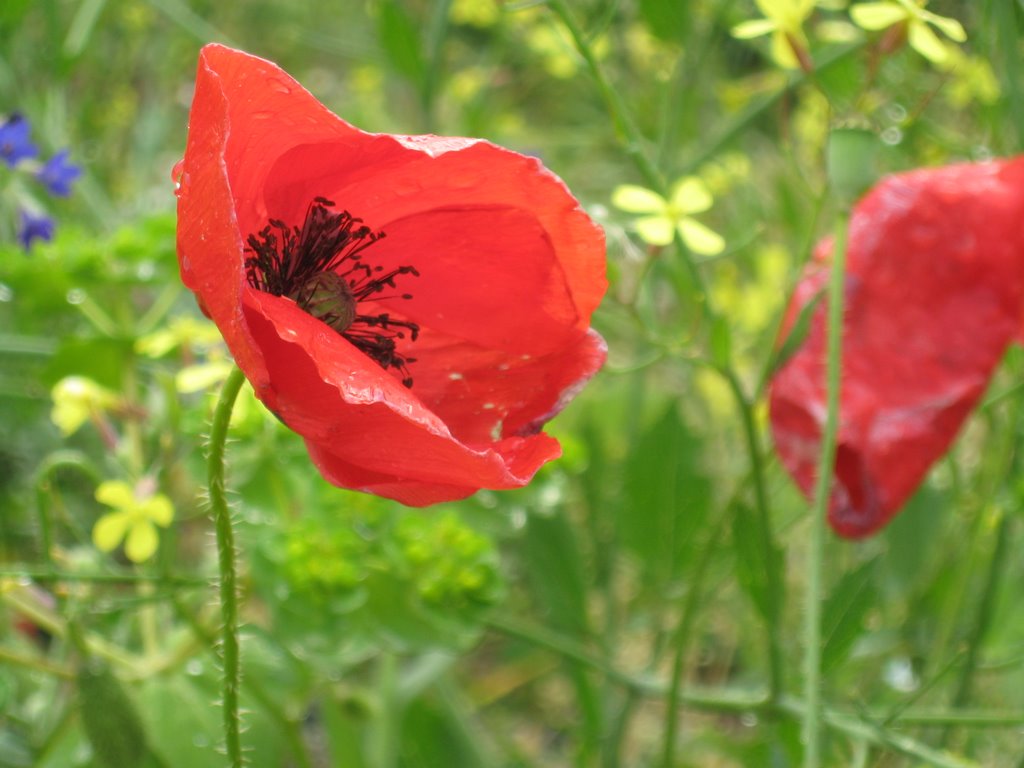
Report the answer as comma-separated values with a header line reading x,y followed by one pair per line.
x,y
640,603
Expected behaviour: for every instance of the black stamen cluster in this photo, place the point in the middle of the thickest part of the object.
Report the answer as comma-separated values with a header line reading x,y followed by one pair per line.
x,y
292,262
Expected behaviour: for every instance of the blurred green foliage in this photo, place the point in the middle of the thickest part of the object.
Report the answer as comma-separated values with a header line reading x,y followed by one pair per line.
x,y
529,628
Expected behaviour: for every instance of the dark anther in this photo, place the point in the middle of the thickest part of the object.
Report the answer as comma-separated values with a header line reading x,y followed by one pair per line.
x,y
319,266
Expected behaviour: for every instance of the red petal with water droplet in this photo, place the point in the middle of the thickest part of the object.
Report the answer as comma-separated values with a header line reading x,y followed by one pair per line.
x,y
933,297
511,270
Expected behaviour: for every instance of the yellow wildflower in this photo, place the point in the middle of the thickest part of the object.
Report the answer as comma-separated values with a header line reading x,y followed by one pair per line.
x,y
77,399
910,17
666,217
137,512
784,21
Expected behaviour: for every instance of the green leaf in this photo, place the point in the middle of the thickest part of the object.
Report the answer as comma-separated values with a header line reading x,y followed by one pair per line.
x,y
758,568
843,613
721,343
399,36
667,498
796,336
109,718
555,567
175,706
667,19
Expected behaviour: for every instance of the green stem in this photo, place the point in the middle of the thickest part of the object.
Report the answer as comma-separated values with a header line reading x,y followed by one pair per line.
x,y
738,701
625,127
55,461
48,575
812,715
228,567
769,551
633,144
986,605
680,641
290,729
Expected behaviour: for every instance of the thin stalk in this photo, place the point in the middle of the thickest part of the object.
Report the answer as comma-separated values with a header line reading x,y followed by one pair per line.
x,y
290,729
436,31
738,701
228,567
680,642
15,659
47,575
812,718
44,477
997,566
383,740
625,127
768,549
634,146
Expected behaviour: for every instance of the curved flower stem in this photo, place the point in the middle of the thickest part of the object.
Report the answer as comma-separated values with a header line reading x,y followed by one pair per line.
x,y
228,568
57,460
812,715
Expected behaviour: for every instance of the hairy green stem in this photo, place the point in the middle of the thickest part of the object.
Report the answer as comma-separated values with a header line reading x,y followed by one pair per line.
x,y
290,728
228,567
812,715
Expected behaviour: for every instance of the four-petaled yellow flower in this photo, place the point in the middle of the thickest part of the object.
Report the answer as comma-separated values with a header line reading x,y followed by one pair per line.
x,y
137,512
784,21
665,217
77,399
914,20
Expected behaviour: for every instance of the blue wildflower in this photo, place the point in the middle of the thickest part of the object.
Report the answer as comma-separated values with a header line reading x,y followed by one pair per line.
x,y
14,142
34,227
57,174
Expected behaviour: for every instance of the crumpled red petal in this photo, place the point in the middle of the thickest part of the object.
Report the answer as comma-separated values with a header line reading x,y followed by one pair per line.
x,y
511,270
933,297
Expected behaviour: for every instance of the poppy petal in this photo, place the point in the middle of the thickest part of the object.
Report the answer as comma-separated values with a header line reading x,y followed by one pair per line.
x,y
933,297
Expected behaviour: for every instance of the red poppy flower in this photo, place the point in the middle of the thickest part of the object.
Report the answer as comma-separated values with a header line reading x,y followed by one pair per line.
x,y
933,297
416,307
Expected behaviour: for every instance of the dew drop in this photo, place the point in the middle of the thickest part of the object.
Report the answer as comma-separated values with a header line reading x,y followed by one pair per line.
x,y
518,518
453,375
194,667
179,177
6,292
892,136
76,296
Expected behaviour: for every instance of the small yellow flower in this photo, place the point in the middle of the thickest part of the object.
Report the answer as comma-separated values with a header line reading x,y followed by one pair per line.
x,y
666,217
784,21
915,20
77,399
179,332
137,512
